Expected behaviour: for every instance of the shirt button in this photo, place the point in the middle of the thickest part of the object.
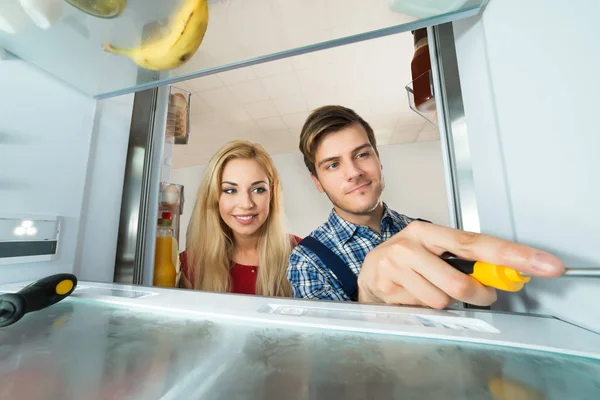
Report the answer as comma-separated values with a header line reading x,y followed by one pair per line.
x,y
252,270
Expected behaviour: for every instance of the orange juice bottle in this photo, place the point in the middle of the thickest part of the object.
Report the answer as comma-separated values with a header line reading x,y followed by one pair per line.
x,y
164,269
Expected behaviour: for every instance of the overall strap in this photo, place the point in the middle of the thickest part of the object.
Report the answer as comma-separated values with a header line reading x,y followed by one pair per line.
x,y
332,261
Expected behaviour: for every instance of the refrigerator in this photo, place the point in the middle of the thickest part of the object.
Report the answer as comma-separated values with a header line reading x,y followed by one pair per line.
x,y
507,123
115,341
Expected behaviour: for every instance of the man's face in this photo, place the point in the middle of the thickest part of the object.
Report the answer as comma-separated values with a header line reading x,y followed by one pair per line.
x,y
349,171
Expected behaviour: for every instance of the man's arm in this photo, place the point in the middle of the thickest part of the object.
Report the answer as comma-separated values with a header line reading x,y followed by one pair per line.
x,y
309,280
407,269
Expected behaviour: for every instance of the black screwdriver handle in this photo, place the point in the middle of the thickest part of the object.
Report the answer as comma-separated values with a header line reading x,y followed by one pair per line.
x,y
36,296
47,291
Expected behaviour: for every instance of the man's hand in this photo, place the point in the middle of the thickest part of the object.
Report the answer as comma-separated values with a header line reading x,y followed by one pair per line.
x,y
407,268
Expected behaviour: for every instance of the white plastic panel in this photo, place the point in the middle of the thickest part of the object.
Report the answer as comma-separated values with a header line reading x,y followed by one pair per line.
x,y
530,91
45,133
95,259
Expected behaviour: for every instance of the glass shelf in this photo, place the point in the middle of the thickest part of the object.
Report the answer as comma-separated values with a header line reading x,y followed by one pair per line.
x,y
240,33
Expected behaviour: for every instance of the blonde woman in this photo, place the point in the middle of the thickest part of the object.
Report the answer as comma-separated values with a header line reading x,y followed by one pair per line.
x,y
236,241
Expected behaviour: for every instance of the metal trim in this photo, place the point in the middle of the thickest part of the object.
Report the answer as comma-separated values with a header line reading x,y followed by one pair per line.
x,y
449,174
462,200
138,206
151,186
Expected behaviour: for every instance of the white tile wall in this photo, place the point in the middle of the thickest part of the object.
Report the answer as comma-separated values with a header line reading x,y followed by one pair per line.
x,y
221,97
264,109
236,76
282,85
290,105
273,68
295,121
204,83
271,124
249,92
264,101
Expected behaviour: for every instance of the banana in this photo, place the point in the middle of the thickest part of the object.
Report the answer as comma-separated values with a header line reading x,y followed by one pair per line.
x,y
176,47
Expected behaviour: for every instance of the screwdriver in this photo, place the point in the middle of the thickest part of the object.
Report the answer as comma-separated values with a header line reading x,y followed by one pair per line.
x,y
508,279
36,296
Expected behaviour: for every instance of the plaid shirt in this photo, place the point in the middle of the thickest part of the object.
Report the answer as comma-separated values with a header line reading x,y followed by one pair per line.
x,y
309,276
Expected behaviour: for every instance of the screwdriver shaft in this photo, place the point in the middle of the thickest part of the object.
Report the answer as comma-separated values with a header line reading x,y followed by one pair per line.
x,y
582,272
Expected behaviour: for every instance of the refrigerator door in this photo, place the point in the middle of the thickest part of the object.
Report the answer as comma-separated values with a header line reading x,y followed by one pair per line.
x,y
130,342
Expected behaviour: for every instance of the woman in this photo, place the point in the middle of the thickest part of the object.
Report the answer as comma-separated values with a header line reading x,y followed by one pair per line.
x,y
236,241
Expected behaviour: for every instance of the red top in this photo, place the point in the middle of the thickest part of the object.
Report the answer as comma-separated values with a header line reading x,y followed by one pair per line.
x,y
243,277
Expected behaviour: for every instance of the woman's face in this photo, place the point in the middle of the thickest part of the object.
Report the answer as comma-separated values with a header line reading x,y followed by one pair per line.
x,y
245,196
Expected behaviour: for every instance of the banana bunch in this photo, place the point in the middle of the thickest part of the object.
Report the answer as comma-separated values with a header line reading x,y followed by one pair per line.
x,y
176,47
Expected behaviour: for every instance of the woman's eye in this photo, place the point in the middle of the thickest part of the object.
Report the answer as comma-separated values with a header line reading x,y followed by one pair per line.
x,y
260,190
332,165
229,191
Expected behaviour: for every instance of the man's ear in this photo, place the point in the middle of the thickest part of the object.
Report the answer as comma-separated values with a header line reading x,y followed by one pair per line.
x,y
317,183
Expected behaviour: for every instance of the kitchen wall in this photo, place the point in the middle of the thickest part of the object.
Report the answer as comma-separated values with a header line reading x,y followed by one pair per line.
x,y
414,186
530,92
45,134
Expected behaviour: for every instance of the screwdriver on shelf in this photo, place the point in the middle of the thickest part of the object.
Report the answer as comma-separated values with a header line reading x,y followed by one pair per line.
x,y
36,296
508,279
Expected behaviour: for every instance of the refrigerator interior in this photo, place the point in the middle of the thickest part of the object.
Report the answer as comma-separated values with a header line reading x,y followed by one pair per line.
x,y
119,341
90,130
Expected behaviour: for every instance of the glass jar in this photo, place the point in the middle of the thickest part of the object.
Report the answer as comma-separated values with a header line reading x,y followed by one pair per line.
x,y
421,72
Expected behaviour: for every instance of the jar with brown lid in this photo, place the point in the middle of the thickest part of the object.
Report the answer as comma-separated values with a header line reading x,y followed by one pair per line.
x,y
420,69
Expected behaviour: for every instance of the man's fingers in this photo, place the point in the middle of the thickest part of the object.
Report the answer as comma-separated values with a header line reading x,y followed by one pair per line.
x,y
401,296
479,247
420,289
451,281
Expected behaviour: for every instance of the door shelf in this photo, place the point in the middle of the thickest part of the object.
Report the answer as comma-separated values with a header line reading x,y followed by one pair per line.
x,y
429,116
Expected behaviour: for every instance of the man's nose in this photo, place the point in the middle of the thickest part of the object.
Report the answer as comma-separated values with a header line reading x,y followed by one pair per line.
x,y
353,171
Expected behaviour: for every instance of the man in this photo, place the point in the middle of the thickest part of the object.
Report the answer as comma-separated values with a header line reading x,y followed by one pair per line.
x,y
367,252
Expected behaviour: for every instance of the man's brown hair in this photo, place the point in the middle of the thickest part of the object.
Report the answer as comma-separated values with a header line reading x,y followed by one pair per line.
x,y
325,120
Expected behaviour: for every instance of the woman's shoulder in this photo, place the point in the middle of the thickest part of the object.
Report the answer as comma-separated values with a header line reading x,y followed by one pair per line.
x,y
294,239
183,262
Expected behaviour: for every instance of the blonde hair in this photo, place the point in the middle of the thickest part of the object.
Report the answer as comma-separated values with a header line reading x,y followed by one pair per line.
x,y
210,241
325,120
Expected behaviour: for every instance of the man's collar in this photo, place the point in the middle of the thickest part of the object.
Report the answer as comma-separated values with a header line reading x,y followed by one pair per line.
x,y
344,230
387,216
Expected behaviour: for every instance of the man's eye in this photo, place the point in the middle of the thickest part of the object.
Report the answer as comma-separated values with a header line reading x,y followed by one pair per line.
x,y
362,155
229,191
332,165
